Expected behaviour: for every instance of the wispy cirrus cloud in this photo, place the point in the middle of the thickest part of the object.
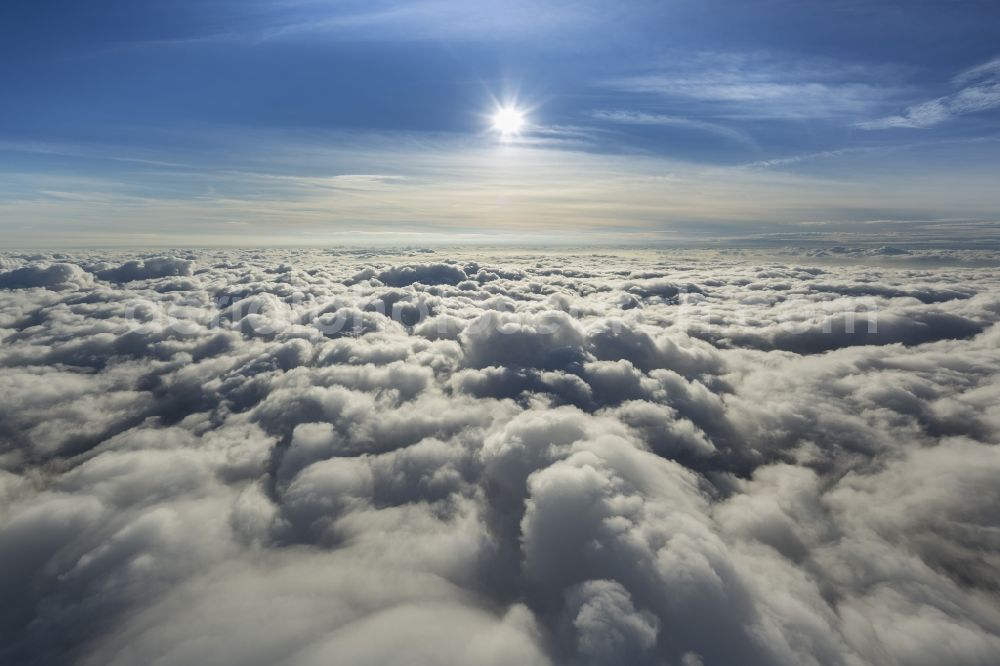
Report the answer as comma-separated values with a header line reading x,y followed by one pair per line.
x,y
626,117
486,20
978,90
755,86
442,18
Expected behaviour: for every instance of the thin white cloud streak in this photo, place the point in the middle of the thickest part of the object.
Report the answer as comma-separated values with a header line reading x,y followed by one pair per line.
x,y
987,69
875,151
981,92
484,20
761,86
445,18
808,157
626,117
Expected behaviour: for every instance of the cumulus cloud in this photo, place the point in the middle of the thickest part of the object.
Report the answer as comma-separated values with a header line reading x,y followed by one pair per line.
x,y
402,276
145,269
305,457
50,276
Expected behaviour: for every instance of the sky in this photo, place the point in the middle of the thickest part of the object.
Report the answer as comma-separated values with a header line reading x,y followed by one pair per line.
x,y
316,122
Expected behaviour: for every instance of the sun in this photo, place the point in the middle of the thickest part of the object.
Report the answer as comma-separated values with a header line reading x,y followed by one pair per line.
x,y
508,121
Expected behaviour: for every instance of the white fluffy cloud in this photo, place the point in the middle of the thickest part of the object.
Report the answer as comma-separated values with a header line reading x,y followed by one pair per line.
x,y
301,457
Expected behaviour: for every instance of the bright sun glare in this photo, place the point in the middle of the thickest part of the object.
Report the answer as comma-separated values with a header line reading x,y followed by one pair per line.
x,y
508,121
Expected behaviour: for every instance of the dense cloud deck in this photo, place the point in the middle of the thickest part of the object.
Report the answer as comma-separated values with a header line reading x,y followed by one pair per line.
x,y
315,457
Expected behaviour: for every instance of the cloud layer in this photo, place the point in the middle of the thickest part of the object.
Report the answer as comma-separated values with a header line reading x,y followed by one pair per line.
x,y
308,457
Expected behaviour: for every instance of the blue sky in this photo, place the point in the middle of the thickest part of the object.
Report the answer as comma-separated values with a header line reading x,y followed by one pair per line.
x,y
308,121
